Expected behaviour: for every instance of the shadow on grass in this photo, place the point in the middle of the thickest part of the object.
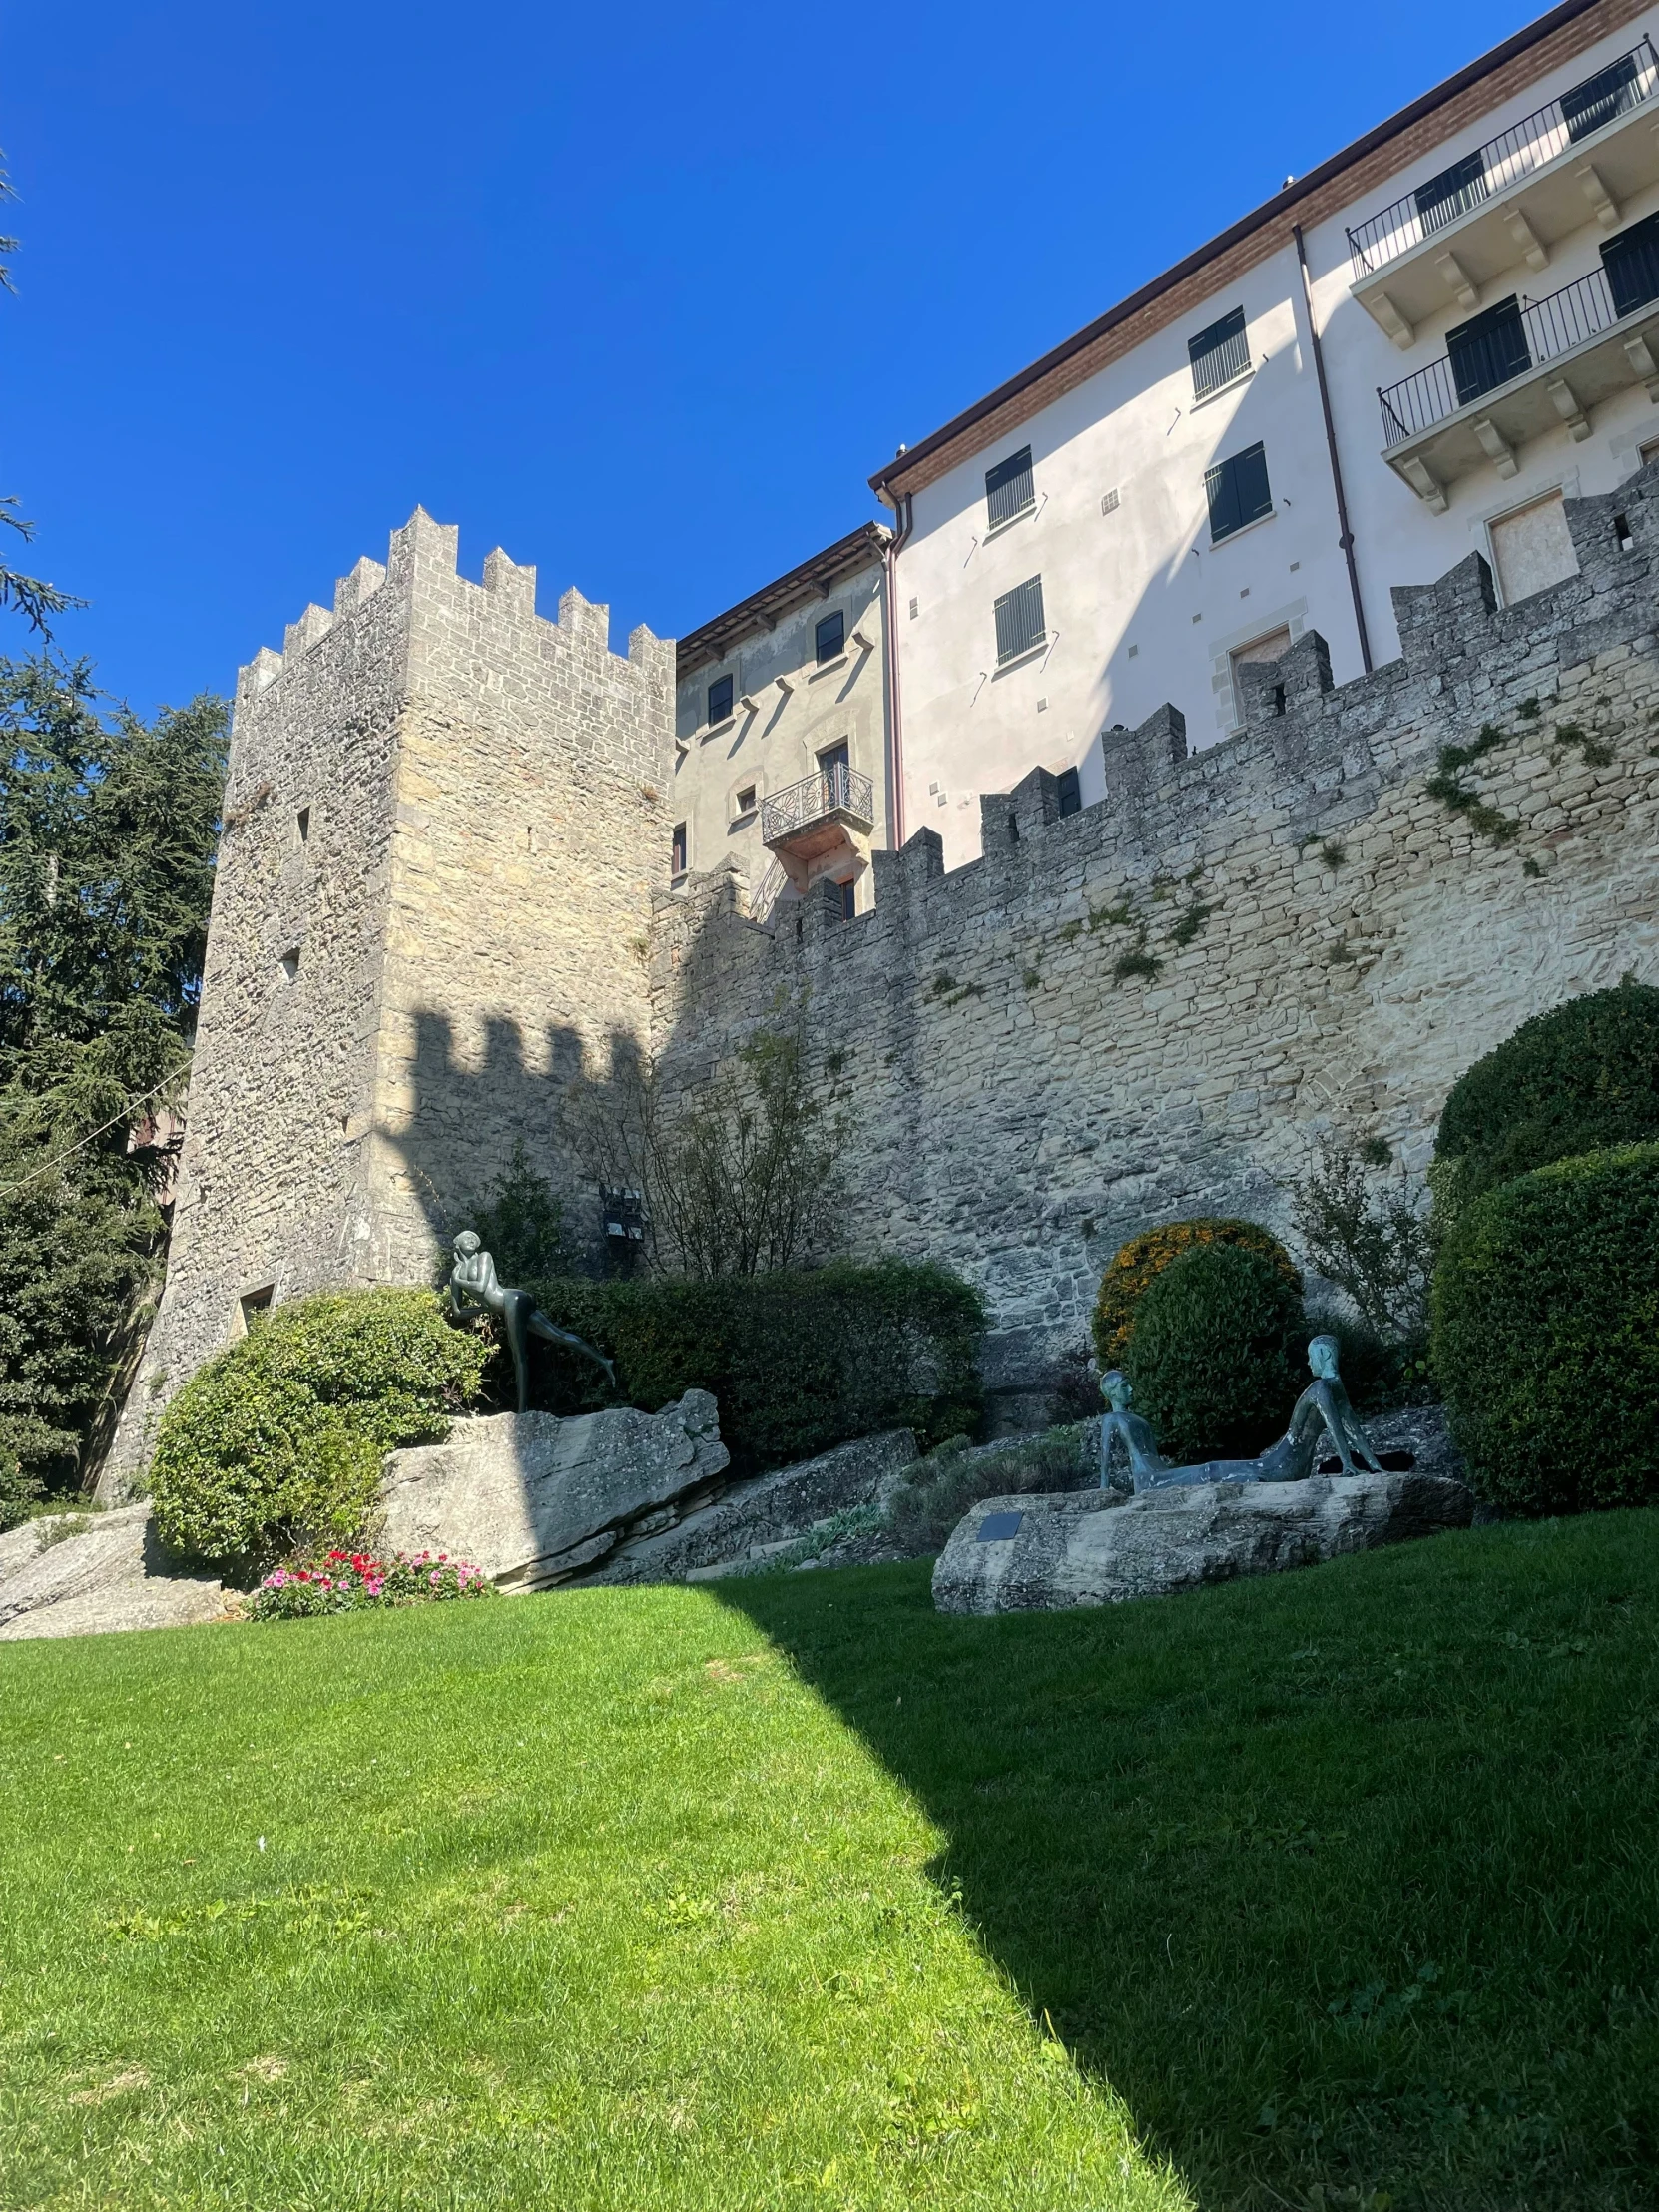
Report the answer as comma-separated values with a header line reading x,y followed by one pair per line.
x,y
1343,1879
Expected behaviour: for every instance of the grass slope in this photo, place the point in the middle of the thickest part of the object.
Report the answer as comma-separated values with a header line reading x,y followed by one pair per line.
x,y
1338,1888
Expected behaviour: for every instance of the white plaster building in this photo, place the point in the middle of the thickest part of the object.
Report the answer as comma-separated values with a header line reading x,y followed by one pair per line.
x,y
1196,476
781,762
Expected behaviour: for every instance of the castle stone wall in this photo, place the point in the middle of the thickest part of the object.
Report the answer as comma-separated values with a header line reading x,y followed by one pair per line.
x,y
1155,1007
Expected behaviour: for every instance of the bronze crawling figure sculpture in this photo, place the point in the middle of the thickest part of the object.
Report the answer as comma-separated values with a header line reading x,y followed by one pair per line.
x,y
474,1289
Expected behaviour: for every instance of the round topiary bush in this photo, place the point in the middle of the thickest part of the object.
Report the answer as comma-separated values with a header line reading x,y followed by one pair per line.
x,y
1546,1321
1214,1356
1137,1265
281,1438
1575,1081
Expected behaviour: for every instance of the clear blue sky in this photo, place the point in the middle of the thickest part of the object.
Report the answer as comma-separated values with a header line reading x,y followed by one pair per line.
x,y
641,294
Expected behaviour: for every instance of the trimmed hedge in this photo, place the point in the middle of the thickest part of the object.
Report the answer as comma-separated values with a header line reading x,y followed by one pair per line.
x,y
1578,1079
1545,1319
1137,1265
1213,1355
279,1439
799,1360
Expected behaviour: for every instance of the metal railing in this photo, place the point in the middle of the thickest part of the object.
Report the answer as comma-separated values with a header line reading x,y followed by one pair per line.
x,y
1547,329
835,789
1524,146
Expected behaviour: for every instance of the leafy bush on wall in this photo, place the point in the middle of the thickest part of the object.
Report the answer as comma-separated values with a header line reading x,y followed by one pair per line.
x,y
1546,1334
279,1441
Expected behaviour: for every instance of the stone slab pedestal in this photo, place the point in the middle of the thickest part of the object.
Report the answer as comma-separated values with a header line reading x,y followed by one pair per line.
x,y
533,1499
1024,1554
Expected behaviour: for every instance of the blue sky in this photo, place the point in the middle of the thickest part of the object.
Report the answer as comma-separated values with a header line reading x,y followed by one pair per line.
x,y
641,294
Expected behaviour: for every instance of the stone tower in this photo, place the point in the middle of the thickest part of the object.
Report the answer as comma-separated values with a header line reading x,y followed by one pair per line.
x,y
443,823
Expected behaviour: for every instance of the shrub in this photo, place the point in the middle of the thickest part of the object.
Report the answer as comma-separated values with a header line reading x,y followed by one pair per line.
x,y
1214,1355
1546,1334
350,1581
938,1490
799,1361
1578,1079
1138,1264
281,1438
18,1491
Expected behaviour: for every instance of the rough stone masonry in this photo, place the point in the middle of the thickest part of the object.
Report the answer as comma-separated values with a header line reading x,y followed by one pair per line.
x,y
442,892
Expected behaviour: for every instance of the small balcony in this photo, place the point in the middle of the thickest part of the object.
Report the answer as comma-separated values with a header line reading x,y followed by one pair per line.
x,y
1522,370
806,820
1512,199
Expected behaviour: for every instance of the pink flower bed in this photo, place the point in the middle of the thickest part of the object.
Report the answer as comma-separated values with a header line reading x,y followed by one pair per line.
x,y
346,1581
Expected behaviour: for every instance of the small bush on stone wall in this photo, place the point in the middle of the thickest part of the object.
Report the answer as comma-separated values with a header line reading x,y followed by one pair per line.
x,y
938,1490
1575,1081
1215,1352
279,1441
1138,1263
1546,1334
799,1361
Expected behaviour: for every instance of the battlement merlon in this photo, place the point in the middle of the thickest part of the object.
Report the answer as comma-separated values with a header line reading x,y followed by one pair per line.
x,y
422,569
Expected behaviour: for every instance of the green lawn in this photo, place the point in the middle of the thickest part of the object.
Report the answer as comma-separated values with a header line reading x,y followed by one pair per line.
x,y
793,1894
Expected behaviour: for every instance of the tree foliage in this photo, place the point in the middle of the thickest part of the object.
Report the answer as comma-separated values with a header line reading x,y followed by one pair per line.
x,y
107,831
1367,1230
741,1175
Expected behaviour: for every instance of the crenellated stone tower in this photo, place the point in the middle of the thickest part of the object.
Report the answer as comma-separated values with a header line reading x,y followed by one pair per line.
x,y
443,823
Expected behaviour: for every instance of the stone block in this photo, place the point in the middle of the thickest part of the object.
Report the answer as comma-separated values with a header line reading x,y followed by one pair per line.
x,y
107,1575
1043,1554
532,1498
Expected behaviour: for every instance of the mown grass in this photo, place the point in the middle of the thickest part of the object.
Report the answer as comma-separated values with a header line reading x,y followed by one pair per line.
x,y
1335,1888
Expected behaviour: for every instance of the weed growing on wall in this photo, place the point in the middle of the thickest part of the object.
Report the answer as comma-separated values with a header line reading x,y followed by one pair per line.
x,y
1366,1229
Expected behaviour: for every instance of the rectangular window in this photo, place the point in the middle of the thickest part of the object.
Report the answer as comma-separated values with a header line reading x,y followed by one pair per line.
x,y
1452,193
1631,260
835,766
1009,488
252,1305
677,863
1487,351
1071,797
1237,490
830,636
1601,97
1533,548
1219,353
720,699
744,804
1020,619
849,900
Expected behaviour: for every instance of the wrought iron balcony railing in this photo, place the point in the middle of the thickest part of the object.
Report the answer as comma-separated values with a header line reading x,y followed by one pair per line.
x,y
1510,349
838,790
1524,146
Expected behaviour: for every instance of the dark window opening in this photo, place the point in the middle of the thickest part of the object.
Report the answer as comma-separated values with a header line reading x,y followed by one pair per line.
x,y
1071,796
1020,619
831,636
746,799
1013,828
1238,492
1009,489
1219,353
1278,698
1601,97
720,699
678,862
1487,351
255,1304
1452,193
835,766
290,963
1631,260
302,822
849,900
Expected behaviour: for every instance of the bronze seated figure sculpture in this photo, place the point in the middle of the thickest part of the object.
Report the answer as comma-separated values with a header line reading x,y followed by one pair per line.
x,y
475,1289
1321,1412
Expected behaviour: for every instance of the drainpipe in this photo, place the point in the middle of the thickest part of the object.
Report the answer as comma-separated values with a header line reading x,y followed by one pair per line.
x,y
896,746
1346,540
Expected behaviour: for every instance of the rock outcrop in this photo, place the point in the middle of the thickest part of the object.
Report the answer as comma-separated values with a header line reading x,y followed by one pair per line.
x,y
1021,1554
534,1499
81,1574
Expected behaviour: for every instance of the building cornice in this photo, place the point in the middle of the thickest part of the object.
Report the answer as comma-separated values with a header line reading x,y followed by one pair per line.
x,y
763,610
1461,99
